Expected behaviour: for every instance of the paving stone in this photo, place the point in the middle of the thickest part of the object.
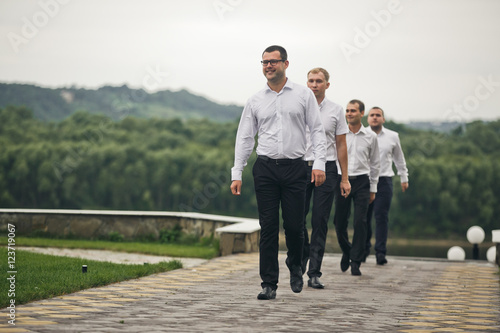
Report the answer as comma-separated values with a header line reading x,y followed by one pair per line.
x,y
220,295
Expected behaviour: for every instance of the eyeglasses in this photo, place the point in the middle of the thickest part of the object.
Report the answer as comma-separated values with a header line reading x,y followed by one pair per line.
x,y
273,62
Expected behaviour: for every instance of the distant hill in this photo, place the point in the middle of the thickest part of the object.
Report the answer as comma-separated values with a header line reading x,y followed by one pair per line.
x,y
116,102
441,127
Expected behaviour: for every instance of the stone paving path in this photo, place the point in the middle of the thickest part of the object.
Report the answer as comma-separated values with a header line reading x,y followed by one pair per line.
x,y
220,295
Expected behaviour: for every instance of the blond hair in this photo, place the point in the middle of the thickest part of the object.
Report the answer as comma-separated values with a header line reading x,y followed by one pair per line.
x,y
320,70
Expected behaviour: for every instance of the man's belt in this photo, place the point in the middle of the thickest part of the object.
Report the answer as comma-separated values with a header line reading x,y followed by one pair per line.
x,y
281,161
357,177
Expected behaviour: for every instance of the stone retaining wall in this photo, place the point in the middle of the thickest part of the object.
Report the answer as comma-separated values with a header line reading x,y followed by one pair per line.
x,y
93,224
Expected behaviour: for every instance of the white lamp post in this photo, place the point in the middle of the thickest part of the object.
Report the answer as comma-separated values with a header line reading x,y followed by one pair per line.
x,y
475,236
491,254
456,253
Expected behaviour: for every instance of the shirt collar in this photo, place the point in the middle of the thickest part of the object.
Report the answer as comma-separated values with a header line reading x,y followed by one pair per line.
x,y
289,85
362,130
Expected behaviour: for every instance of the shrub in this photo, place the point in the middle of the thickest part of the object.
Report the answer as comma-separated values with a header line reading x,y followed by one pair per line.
x,y
171,235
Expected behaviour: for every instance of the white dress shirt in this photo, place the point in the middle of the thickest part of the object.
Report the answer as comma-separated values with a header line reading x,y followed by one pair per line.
x,y
333,120
390,151
280,120
363,157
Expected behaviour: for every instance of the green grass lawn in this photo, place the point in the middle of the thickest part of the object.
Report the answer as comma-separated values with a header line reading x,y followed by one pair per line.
x,y
161,249
40,276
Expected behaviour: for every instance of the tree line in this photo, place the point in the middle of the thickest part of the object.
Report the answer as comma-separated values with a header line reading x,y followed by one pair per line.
x,y
89,161
116,102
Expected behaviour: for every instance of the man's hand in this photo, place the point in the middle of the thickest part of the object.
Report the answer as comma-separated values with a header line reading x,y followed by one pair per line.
x,y
318,177
345,188
404,186
236,187
372,197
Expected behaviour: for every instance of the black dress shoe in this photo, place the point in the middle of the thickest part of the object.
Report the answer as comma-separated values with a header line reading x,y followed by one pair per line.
x,y
296,281
315,283
355,268
267,293
381,259
344,262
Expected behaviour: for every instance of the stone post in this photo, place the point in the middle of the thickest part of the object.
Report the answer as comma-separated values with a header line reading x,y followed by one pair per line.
x,y
496,239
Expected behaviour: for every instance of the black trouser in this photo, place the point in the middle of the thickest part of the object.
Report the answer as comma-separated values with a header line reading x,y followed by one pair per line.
x,y
279,181
380,208
360,195
322,206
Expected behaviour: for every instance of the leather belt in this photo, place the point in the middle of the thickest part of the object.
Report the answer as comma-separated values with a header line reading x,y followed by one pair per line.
x,y
281,161
357,177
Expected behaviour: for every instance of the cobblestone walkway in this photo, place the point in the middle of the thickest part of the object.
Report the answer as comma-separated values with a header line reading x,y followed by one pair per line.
x,y
220,295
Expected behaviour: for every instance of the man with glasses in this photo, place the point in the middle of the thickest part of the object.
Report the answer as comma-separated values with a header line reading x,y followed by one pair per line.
x,y
364,167
333,119
279,115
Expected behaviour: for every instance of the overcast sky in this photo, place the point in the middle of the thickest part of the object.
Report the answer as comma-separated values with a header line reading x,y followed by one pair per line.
x,y
417,59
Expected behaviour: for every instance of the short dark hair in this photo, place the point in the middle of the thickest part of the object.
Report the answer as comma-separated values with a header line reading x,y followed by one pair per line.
x,y
361,104
281,49
378,108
